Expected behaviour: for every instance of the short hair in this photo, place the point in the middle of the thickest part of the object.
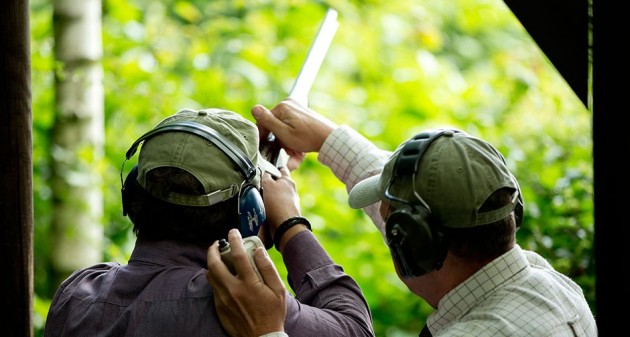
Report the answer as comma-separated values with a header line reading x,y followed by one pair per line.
x,y
155,219
485,242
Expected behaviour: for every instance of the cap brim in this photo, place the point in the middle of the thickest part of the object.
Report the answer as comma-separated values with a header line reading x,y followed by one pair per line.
x,y
269,167
365,193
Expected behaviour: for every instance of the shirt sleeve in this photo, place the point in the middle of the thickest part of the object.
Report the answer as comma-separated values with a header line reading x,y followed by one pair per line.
x,y
327,301
352,158
274,334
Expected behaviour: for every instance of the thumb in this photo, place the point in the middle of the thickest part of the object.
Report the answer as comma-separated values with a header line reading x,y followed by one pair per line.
x,y
266,120
261,115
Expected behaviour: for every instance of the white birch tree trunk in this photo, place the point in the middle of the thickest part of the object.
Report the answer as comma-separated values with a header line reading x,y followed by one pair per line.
x,y
77,148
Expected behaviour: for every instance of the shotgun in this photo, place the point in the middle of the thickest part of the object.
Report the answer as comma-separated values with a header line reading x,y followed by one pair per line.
x,y
270,148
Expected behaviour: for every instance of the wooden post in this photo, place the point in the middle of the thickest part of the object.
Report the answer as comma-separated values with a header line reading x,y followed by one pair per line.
x,y
16,196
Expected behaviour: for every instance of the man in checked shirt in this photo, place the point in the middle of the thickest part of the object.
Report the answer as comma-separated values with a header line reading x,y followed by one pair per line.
x,y
448,208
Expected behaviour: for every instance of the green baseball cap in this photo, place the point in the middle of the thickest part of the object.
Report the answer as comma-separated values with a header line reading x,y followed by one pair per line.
x,y
455,175
219,173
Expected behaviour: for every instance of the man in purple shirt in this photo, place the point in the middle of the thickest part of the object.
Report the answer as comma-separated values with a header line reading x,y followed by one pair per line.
x,y
200,175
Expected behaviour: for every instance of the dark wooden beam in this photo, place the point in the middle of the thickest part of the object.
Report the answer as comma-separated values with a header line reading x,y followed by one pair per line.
x,y
16,196
611,148
595,69
560,28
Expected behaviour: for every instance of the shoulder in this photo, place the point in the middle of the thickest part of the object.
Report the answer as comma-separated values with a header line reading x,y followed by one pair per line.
x,y
536,300
528,297
92,271
544,277
84,280
535,260
497,327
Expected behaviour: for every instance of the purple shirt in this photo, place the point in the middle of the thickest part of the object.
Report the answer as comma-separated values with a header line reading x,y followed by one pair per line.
x,y
163,291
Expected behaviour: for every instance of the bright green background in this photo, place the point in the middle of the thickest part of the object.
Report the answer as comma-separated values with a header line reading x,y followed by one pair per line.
x,y
395,68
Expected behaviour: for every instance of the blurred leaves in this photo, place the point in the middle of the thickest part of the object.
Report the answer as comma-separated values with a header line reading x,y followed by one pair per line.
x,y
395,68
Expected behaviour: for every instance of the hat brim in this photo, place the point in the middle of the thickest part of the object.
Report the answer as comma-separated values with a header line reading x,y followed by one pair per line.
x,y
365,193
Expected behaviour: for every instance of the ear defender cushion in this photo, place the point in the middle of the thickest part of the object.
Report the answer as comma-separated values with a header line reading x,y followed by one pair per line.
x,y
416,246
251,211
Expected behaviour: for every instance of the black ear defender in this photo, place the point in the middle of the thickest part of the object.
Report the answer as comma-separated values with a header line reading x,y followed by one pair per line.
x,y
415,244
414,237
251,208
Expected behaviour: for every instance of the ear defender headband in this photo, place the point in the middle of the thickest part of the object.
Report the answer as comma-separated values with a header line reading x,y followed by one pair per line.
x,y
518,207
251,210
413,236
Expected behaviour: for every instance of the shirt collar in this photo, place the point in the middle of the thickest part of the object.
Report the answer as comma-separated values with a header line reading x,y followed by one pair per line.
x,y
168,253
469,293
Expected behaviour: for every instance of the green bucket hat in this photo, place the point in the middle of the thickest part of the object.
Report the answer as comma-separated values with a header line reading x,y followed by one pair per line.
x,y
218,172
454,177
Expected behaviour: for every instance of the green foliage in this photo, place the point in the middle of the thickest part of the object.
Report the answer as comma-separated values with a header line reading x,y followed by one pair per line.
x,y
395,68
